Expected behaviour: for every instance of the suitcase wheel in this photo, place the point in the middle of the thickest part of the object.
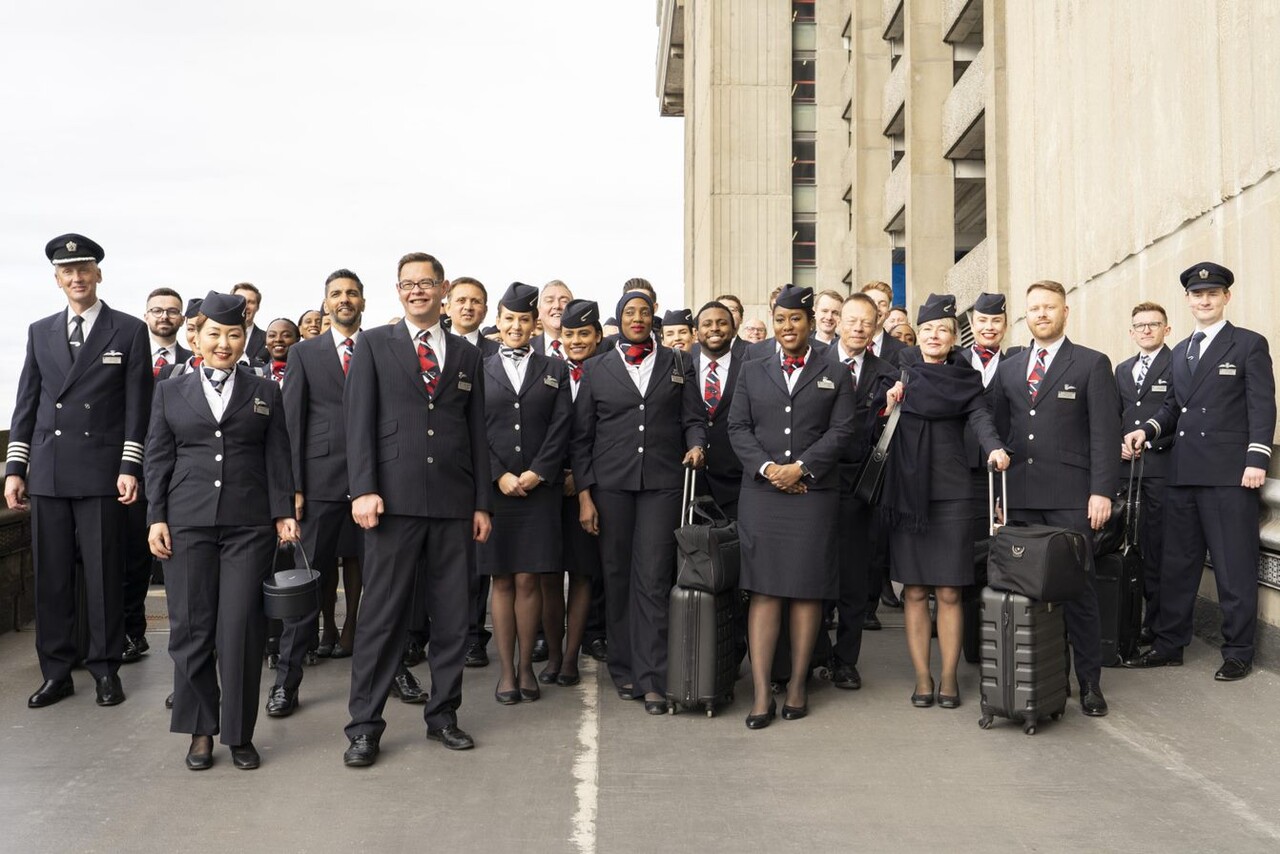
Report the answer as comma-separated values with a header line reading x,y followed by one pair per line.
x,y
985,721
672,708
711,710
1029,728
1057,716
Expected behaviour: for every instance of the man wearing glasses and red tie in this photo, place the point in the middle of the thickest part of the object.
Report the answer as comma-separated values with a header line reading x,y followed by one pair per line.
x,y
418,469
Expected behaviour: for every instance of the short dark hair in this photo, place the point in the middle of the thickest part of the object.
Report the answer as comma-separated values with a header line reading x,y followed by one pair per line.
x,y
1149,306
715,303
639,284
343,273
467,280
303,316
296,331
1048,285
247,286
421,258
165,292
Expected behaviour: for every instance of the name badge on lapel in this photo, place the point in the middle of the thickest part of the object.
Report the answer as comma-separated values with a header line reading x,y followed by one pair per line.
x,y
1068,393
1226,369
678,379
551,381
112,357
464,383
260,407
823,382
1161,387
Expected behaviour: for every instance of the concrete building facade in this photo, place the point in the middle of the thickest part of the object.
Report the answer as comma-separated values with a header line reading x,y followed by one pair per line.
x,y
980,145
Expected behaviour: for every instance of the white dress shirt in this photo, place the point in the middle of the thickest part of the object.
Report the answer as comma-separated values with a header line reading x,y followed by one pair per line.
x,y
160,349
516,370
1036,347
640,373
472,337
722,369
338,338
90,317
217,402
858,360
795,375
1210,332
988,370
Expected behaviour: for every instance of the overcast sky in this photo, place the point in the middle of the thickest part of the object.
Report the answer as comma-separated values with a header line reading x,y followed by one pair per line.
x,y
206,144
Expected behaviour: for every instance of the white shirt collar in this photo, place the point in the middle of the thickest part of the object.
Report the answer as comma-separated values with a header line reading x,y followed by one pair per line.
x,y
1053,348
1210,332
844,354
338,337
90,314
157,346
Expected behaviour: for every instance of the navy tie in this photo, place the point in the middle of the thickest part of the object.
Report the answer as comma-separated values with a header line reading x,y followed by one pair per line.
x,y
1193,354
76,341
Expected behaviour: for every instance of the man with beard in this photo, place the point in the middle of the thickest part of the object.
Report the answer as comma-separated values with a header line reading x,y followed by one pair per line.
x,y
718,356
555,296
467,304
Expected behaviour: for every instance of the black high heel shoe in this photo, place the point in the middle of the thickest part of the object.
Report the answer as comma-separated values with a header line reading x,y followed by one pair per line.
x,y
949,701
762,721
549,676
794,713
507,698
923,701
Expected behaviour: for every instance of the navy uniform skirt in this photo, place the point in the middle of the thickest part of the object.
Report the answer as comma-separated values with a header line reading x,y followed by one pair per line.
x,y
526,533
941,555
789,546
581,550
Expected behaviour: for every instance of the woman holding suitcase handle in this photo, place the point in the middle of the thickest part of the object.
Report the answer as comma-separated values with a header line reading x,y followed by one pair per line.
x,y
926,498
792,414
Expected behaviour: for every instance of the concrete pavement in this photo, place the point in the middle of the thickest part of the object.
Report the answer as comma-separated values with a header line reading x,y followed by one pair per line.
x,y
1181,764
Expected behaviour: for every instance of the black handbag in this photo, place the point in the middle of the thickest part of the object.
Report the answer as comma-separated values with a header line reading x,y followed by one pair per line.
x,y
1040,562
871,477
1116,532
291,593
707,549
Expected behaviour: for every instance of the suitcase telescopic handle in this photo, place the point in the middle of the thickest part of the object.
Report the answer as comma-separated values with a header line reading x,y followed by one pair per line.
x,y
689,498
991,496
1133,502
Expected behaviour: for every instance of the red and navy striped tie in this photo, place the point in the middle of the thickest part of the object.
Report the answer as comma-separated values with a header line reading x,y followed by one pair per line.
x,y
1037,373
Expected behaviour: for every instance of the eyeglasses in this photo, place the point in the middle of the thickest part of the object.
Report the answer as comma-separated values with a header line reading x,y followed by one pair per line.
x,y
1146,327
165,312
424,284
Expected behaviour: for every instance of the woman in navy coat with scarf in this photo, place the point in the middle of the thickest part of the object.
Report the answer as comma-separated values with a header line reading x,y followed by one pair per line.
x,y
638,420
221,492
528,416
928,490
792,415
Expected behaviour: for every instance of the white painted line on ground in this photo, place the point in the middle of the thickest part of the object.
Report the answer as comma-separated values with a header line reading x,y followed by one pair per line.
x,y
1161,753
586,761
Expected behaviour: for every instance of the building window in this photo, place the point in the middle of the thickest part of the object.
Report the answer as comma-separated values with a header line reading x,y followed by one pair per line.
x,y
803,162
803,88
804,244
802,11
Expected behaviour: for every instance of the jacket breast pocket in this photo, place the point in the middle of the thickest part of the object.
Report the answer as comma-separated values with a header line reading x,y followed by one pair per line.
x,y
388,451
316,449
388,428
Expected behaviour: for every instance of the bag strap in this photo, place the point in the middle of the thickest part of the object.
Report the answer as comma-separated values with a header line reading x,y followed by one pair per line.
x,y
275,555
708,510
1133,502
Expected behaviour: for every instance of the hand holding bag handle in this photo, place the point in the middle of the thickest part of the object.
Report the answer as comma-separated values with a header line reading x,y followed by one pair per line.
x,y
991,497
871,478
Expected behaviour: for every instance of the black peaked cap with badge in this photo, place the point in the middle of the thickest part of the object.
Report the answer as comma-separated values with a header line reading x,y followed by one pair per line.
x,y
520,298
795,297
227,309
678,317
579,313
936,307
989,304
1206,274
72,249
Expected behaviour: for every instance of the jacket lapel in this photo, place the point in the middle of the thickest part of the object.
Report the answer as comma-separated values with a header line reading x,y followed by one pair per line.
x,y
497,374
1157,367
404,354
193,393
1058,367
534,371
1211,358
57,338
242,391
664,368
103,332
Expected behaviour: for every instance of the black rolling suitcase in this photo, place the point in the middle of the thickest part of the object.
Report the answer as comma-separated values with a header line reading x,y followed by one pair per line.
x,y
1024,658
1119,578
702,655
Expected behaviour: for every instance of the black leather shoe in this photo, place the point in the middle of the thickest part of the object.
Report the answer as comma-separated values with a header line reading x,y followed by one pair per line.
x,y
565,680
281,702
529,695
871,623
1156,658
51,692
923,701
309,658
948,701
340,651
477,656
414,654
762,721
655,707
452,737
1233,669
628,692
407,687
200,754
1092,703
794,713
599,650
549,676
168,701
846,676
362,751
540,652
507,698
245,756
110,691
325,650
1146,637
134,649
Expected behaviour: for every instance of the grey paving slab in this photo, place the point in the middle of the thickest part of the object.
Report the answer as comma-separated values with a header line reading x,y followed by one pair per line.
x,y
1182,764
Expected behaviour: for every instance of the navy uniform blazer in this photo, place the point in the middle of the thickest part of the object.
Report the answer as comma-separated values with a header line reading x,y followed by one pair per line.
x,y
723,470
529,427
625,441
312,390
814,424
869,397
892,348
1065,446
205,473
424,456
1224,416
80,426
1136,403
